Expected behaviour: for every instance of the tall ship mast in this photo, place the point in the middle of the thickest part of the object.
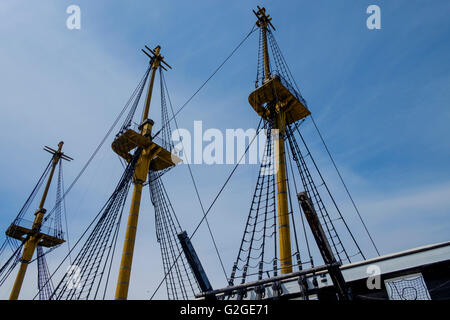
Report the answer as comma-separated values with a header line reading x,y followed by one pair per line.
x,y
35,236
148,154
270,263
282,109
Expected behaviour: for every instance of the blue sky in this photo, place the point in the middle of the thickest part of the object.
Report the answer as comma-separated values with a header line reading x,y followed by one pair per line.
x,y
380,98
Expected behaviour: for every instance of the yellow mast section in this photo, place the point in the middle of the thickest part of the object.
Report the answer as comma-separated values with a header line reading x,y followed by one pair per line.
x,y
34,237
287,109
152,155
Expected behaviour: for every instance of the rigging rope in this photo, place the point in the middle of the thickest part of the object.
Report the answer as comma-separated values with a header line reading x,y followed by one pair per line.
x,y
139,90
81,278
45,285
330,195
166,232
300,212
212,203
34,192
65,216
283,68
210,77
113,249
61,200
13,260
263,204
57,222
97,149
12,242
291,213
345,187
198,194
311,189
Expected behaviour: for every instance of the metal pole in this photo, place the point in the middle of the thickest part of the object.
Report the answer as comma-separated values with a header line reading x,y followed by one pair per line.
x,y
265,53
282,198
155,65
257,283
128,246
